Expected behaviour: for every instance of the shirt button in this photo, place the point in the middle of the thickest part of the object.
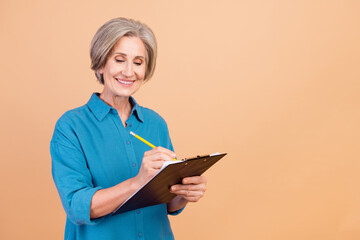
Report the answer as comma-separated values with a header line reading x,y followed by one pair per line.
x,y
138,211
140,234
130,125
134,164
128,142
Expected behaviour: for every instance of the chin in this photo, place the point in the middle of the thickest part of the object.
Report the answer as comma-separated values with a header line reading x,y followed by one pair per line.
x,y
124,93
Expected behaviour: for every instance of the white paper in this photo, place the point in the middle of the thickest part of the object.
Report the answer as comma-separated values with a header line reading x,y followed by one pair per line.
x,y
214,154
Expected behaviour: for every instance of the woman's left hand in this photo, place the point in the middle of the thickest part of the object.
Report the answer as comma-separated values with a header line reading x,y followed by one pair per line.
x,y
191,189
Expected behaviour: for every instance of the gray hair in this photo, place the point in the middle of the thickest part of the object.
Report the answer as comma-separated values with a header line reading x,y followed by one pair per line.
x,y
108,35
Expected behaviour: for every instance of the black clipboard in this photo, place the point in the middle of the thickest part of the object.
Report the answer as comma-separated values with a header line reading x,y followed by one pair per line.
x,y
157,190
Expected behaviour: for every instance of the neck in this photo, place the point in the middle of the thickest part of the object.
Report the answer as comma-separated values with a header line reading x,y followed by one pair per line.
x,y
121,104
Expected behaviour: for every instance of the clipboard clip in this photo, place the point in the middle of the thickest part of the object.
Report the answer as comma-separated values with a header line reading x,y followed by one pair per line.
x,y
197,156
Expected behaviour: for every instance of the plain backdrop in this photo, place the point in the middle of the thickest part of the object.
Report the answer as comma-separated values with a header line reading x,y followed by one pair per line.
x,y
275,84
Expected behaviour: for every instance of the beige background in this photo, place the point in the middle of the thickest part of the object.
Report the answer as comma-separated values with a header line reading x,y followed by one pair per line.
x,y
273,83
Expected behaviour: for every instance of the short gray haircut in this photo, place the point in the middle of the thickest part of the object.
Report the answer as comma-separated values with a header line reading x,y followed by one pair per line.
x,y
109,34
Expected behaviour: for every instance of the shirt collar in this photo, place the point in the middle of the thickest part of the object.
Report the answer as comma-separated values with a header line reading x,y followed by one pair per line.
x,y
100,109
136,109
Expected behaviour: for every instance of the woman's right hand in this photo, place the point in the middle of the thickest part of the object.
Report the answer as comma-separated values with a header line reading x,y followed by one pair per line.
x,y
151,164
107,200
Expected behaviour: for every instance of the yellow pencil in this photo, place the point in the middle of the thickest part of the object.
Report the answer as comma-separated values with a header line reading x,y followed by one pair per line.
x,y
146,142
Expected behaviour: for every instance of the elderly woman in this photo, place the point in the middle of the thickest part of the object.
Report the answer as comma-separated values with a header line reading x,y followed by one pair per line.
x,y
97,164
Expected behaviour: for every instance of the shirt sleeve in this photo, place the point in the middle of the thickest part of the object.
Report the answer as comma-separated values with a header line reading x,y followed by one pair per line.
x,y
71,175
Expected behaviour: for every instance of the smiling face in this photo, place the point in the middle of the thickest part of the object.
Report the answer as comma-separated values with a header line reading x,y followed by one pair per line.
x,y
125,69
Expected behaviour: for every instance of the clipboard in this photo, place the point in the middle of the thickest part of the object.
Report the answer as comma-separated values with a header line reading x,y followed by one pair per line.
x,y
157,189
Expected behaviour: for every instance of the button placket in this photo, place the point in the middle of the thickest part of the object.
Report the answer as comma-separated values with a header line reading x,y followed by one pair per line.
x,y
125,135
139,223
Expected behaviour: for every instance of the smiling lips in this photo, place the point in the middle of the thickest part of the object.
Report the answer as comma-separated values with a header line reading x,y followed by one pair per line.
x,y
126,83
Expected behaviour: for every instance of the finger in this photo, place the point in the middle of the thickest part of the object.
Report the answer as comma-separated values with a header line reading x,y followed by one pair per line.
x,y
160,150
197,187
158,156
153,164
189,194
167,151
195,180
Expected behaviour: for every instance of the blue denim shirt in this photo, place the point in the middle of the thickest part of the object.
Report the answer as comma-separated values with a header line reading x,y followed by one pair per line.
x,y
91,149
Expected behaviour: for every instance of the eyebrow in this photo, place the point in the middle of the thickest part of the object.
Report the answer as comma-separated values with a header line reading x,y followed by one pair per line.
x,y
126,55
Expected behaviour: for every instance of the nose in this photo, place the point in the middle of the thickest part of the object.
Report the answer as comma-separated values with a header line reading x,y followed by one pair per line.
x,y
128,71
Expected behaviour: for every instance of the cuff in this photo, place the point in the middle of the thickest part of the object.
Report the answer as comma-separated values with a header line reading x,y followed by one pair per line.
x,y
81,207
177,211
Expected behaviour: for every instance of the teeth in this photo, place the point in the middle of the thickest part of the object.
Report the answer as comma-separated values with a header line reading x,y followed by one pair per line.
x,y
125,82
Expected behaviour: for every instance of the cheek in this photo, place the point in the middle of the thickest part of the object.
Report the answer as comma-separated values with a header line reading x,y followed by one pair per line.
x,y
141,72
111,70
